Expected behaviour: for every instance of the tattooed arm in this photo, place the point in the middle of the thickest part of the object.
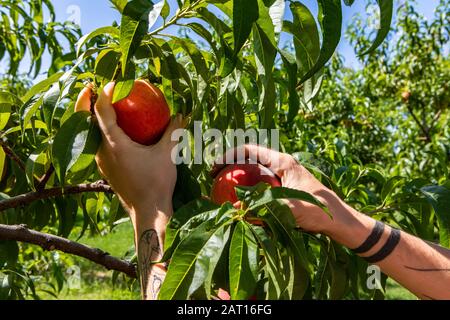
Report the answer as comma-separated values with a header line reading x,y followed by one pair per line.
x,y
421,267
144,180
149,240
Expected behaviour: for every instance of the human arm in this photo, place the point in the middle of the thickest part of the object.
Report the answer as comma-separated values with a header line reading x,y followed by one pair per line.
x,y
421,267
143,177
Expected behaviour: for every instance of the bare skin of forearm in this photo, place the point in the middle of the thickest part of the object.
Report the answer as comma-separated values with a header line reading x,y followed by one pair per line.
x,y
421,267
150,226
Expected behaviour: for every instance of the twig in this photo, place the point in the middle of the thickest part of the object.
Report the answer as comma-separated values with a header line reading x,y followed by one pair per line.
x,y
424,130
435,119
51,242
381,210
179,15
45,178
27,198
12,155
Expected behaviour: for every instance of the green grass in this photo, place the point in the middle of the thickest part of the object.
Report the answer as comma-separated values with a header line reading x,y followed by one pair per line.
x,y
394,291
96,281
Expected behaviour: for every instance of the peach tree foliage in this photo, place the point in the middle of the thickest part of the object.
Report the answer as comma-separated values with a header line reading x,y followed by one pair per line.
x,y
228,69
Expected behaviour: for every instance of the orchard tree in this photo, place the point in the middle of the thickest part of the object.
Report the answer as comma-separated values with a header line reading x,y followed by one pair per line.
x,y
227,69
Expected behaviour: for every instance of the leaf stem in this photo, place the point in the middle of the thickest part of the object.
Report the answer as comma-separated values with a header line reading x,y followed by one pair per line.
x,y
179,15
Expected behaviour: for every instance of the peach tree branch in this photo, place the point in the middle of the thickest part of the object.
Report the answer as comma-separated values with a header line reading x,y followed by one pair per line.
x,y
27,198
51,242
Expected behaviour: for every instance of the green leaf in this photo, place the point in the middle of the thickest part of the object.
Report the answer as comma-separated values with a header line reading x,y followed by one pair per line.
x,y
124,84
291,69
185,213
330,18
113,31
278,193
133,27
320,279
205,34
119,4
272,263
389,187
183,276
282,223
439,198
9,252
243,263
196,56
245,13
2,160
106,65
299,277
165,11
35,165
306,36
67,212
386,13
186,219
91,146
49,104
339,279
28,110
41,86
7,101
169,65
72,141
187,187
209,258
265,50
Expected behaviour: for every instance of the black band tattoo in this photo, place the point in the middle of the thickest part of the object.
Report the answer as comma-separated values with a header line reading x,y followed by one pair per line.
x,y
387,249
149,250
372,239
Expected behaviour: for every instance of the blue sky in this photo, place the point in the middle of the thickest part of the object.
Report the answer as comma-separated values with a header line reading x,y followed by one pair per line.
x,y
92,14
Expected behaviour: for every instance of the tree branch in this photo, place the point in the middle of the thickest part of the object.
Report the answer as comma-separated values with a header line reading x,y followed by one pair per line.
x,y
27,198
12,155
51,242
45,178
424,130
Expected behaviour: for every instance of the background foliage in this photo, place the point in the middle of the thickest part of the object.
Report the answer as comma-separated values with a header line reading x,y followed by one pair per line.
x,y
378,136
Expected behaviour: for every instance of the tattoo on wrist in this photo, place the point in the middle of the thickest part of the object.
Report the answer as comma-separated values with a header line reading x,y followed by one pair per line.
x,y
372,239
387,249
149,250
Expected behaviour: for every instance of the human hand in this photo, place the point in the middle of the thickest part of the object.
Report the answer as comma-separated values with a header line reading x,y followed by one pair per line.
x,y
143,177
292,175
